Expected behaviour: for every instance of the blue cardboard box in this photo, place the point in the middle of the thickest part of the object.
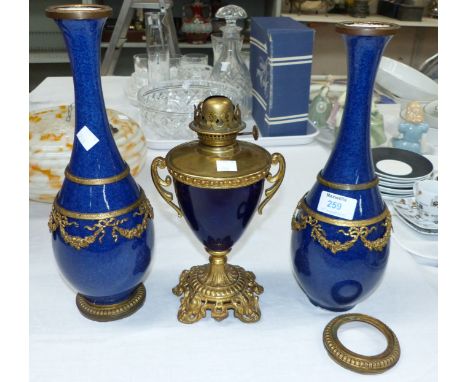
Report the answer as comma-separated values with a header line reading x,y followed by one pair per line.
x,y
280,68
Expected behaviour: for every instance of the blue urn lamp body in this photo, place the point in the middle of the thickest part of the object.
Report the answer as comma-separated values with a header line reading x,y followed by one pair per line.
x,y
218,182
101,220
341,227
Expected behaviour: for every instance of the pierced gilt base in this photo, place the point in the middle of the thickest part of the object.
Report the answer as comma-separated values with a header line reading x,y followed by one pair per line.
x,y
112,312
218,287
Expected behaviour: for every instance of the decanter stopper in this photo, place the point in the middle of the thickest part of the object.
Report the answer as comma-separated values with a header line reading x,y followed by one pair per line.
x,y
231,13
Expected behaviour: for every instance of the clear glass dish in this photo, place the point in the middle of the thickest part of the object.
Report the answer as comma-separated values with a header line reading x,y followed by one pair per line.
x,y
167,109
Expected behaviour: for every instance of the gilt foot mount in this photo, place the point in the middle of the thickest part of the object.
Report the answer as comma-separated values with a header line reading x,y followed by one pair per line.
x,y
232,288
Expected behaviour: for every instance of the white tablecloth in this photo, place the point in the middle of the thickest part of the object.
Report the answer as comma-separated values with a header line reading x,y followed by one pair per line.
x,y
286,344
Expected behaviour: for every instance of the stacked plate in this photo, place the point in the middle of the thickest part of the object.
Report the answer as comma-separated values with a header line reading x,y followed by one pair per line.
x,y
408,212
398,170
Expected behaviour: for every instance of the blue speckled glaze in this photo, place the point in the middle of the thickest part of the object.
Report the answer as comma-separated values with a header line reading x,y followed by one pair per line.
x,y
105,272
218,217
339,281
351,159
108,270
83,40
108,197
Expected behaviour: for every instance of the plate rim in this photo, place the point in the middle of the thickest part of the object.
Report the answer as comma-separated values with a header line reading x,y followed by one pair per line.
x,y
420,157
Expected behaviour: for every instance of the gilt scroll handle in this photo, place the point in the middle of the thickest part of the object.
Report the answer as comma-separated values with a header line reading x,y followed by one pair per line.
x,y
161,183
276,179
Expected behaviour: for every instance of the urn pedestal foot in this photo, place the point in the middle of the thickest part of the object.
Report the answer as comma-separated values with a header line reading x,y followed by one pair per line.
x,y
218,287
112,312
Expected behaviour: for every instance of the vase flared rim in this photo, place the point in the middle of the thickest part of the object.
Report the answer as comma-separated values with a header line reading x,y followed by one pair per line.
x,y
78,11
368,28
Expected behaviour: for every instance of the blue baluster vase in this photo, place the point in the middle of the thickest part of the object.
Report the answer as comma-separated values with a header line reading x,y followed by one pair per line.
x,y
101,220
341,227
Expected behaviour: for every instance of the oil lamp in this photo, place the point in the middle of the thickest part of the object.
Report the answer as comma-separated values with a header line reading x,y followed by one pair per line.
x,y
218,182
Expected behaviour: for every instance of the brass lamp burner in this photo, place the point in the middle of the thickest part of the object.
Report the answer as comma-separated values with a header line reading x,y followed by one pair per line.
x,y
218,182
217,122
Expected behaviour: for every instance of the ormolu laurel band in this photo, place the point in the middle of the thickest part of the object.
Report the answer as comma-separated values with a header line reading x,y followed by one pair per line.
x,y
237,182
347,187
96,181
97,231
356,229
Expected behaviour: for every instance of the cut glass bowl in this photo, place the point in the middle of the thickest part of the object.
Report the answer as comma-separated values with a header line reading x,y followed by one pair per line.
x,y
167,109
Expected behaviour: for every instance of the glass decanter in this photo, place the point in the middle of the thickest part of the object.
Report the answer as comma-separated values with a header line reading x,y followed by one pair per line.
x,y
229,67
157,47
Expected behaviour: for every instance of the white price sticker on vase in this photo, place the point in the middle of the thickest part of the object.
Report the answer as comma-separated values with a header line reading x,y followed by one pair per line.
x,y
226,165
87,138
337,205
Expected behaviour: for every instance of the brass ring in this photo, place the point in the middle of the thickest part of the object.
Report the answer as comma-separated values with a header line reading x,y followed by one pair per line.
x,y
100,215
104,313
78,11
347,187
368,28
357,362
343,223
97,181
